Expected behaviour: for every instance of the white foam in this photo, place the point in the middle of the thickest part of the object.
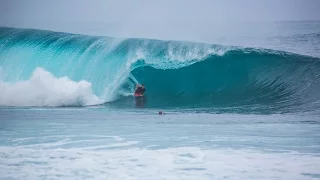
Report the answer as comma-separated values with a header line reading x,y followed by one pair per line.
x,y
43,89
171,163
194,52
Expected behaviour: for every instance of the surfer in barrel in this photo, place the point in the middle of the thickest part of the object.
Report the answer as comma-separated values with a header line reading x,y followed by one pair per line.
x,y
139,95
140,89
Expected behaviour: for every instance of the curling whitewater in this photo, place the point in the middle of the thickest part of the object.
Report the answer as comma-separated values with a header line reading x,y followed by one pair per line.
x,y
43,68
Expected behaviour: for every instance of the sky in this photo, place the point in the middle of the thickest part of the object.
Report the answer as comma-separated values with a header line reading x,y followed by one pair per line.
x,y
163,19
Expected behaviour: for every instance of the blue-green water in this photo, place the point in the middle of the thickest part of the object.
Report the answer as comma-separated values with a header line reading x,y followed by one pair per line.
x,y
97,143
67,110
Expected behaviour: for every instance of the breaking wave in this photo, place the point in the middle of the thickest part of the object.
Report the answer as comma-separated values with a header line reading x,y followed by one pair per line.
x,y
43,68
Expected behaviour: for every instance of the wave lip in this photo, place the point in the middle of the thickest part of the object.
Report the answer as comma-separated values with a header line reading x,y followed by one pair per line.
x,y
43,89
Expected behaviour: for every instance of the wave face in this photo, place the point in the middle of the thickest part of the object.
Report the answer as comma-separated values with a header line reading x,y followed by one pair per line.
x,y
43,68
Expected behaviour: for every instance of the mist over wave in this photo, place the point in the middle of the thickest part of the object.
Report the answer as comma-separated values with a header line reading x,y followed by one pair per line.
x,y
43,89
43,68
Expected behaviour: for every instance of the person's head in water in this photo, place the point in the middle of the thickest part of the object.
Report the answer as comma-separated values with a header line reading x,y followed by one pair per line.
x,y
161,113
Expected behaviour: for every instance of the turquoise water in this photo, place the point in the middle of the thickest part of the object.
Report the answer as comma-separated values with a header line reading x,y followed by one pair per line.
x,y
231,112
101,143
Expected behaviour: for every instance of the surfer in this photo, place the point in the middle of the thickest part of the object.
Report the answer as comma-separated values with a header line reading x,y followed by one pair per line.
x,y
140,89
139,95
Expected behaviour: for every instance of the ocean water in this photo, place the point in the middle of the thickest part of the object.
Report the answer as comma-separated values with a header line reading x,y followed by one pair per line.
x,y
241,111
